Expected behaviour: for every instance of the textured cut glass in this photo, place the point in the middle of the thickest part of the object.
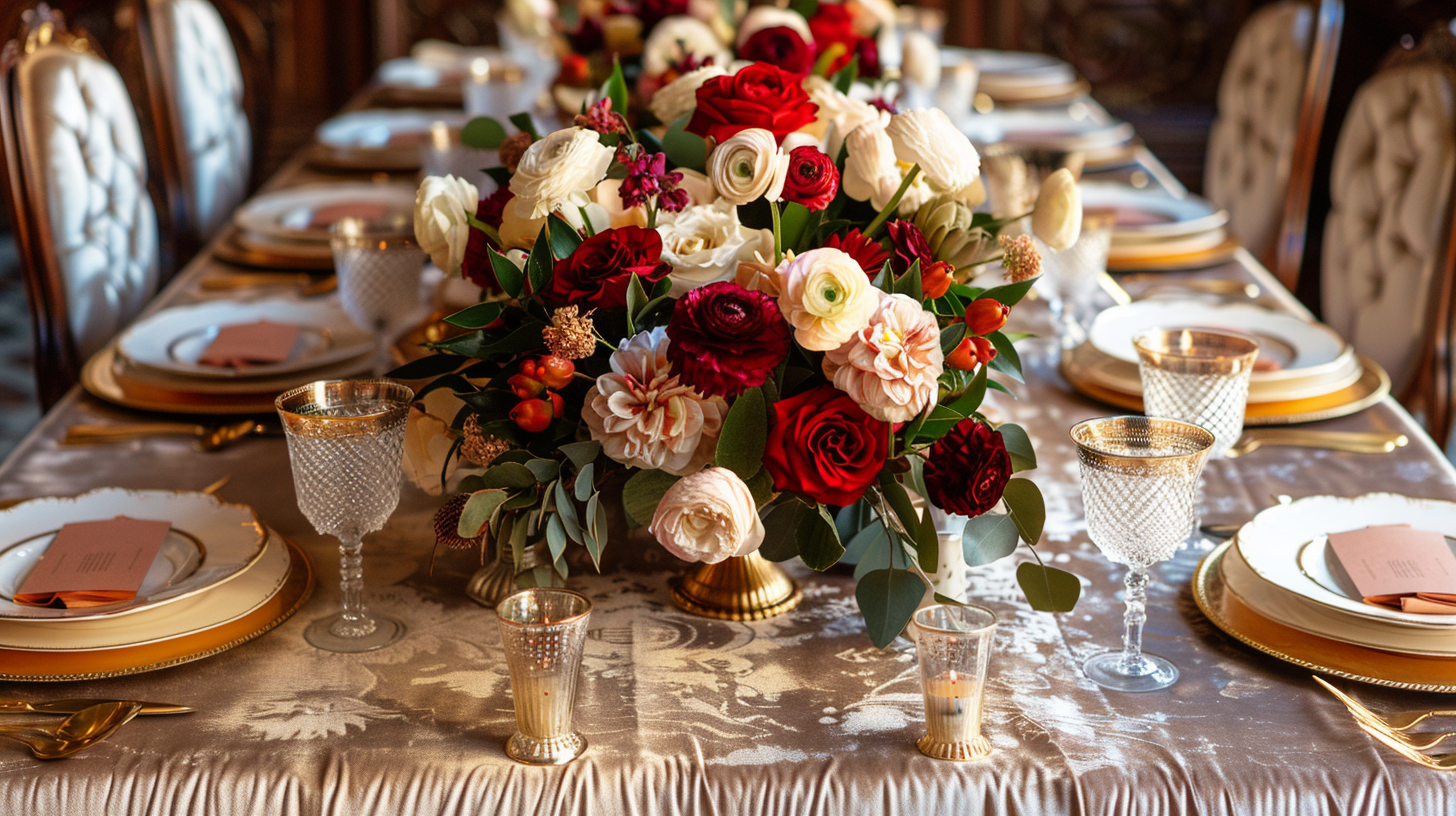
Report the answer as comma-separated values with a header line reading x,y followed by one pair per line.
x,y
379,279
953,647
543,631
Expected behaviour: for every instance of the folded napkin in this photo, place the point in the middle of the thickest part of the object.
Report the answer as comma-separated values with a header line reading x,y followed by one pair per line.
x,y
243,344
1395,566
94,562
333,213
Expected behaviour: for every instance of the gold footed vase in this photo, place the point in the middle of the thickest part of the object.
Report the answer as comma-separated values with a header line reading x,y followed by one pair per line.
x,y
493,582
742,588
977,748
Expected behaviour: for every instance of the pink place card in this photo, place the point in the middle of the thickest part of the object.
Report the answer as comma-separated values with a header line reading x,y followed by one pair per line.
x,y
94,562
244,344
363,210
1393,565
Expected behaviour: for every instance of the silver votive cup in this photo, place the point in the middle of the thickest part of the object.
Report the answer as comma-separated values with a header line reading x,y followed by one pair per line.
x,y
543,631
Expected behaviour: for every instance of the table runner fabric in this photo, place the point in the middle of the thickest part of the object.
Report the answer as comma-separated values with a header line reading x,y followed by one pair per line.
x,y
684,715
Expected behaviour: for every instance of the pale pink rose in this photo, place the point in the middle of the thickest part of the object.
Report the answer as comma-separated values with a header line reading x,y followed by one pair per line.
x,y
708,516
891,366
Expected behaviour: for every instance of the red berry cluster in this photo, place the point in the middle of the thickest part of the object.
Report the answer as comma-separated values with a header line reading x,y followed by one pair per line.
x,y
982,317
533,385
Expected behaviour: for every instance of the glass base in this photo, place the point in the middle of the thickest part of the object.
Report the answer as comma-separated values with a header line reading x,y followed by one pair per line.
x,y
325,634
545,751
1108,671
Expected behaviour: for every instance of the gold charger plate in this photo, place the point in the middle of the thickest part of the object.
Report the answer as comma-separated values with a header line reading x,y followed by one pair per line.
x,y
1372,387
230,250
1176,262
101,379
1320,654
29,666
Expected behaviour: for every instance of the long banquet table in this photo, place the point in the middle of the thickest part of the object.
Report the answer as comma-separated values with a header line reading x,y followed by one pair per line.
x,y
799,714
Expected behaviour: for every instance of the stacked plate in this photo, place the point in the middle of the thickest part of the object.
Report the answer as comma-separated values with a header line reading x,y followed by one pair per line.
x,y
154,364
1305,372
1102,140
379,138
1018,77
1153,230
1281,569
291,225
221,578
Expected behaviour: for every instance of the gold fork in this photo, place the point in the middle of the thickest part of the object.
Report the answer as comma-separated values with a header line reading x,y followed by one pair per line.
x,y
1393,721
1436,762
1328,440
204,438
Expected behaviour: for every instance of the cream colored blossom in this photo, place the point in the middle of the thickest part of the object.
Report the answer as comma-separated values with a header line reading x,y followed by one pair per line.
x,y
891,366
748,166
704,244
679,97
608,194
839,114
443,205
521,233
645,417
1057,220
674,38
873,174
428,439
928,138
708,516
698,186
920,62
826,297
759,273
760,17
557,171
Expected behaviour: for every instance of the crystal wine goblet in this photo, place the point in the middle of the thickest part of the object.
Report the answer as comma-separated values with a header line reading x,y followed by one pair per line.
x,y
345,443
1138,484
379,266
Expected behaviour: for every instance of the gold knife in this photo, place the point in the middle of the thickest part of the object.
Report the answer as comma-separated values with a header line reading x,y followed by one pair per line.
x,y
74,705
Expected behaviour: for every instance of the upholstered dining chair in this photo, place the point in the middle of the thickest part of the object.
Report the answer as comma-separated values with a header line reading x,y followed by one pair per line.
x,y
1271,108
75,173
1388,273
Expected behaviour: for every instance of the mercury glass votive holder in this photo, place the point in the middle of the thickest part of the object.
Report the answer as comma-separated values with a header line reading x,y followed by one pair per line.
x,y
953,645
543,631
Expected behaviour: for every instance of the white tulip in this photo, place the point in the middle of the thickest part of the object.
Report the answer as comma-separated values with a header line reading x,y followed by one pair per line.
x,y
1057,220
443,206
928,138
679,97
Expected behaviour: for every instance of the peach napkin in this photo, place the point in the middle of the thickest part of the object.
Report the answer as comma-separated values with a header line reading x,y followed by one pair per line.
x,y
94,562
1395,566
243,344
333,213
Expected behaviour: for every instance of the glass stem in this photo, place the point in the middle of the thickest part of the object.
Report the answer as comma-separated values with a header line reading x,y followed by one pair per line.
x,y
354,621
1132,638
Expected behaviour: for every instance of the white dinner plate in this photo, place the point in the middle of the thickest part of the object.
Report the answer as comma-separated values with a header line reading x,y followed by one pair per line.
x,y
173,339
1124,377
380,138
305,212
1164,247
1274,546
221,604
211,542
1055,128
1145,215
1013,69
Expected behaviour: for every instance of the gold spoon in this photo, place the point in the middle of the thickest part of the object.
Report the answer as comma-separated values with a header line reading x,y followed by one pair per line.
x,y
76,732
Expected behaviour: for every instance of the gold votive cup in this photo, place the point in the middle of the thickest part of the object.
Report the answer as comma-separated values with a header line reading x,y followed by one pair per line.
x,y
953,645
543,631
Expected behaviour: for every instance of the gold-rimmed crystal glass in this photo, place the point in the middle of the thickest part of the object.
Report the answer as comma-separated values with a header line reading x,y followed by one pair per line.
x,y
1199,376
1138,484
345,444
953,647
543,631
378,267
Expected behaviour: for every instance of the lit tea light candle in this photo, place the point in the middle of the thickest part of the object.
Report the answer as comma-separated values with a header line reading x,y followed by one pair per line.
x,y
953,707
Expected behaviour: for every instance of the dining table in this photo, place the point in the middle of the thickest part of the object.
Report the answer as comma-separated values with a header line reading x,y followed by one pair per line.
x,y
799,713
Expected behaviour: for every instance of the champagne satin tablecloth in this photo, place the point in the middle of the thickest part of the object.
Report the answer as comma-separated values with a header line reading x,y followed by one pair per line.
x,y
799,714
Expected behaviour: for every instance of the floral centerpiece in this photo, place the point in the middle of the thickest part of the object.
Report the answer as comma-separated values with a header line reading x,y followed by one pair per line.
x,y
758,322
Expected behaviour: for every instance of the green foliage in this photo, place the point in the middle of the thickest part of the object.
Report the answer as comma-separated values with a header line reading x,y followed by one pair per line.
x,y
545,470
909,284
1018,444
564,237
615,88
582,453
1006,361
951,336
525,124
844,78
794,223
806,8
887,598
478,510
989,537
818,540
434,365
539,263
744,435
685,149
507,275
482,133
643,492
1010,293
1048,589
508,476
566,511
584,481
594,529
779,542
476,317
1028,509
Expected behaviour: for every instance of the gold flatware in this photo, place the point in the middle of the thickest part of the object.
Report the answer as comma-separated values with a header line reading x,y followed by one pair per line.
x,y
75,733
1330,440
205,438
76,706
1114,289
1211,286
1392,721
1436,762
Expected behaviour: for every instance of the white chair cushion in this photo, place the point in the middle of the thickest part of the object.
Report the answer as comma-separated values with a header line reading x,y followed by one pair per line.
x,y
1390,190
217,144
1251,144
83,140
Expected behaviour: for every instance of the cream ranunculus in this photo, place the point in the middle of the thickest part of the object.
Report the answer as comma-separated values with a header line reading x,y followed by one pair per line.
x,y
443,205
645,417
891,366
928,138
705,244
428,440
679,97
1057,220
708,516
748,166
761,17
826,297
557,171
676,37
839,114
873,174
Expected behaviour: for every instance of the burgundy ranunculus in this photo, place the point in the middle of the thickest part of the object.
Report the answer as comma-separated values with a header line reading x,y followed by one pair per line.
x,y
597,274
823,445
759,96
726,339
653,12
910,246
812,179
492,208
968,469
475,263
781,46
866,251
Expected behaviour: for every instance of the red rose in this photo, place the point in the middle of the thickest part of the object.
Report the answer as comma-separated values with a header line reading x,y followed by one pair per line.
x,y
726,339
781,46
967,469
812,179
475,263
824,446
866,252
597,274
832,25
759,96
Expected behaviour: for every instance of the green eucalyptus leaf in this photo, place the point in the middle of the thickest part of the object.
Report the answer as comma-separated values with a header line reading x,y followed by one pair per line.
x,y
1028,509
1049,589
818,540
744,435
509,476
927,543
642,493
779,524
544,469
1018,444
555,536
477,511
859,544
987,538
887,598
594,530
760,486
566,511
584,481
582,453
476,317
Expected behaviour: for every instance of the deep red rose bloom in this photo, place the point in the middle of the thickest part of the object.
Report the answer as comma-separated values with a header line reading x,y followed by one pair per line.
x,y
726,339
824,446
910,246
867,252
597,274
967,469
812,180
831,25
653,12
760,96
781,46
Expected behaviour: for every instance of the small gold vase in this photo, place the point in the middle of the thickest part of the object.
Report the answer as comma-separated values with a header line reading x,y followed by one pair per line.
x,y
742,588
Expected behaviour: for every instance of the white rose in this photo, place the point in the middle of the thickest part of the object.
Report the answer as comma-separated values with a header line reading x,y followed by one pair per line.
x,y
556,172
679,97
676,37
873,174
428,439
748,166
826,297
704,244
442,207
839,114
708,516
1057,220
760,17
928,138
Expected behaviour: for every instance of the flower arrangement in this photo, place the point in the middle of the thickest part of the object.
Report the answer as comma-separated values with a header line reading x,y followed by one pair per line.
x,y
758,320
